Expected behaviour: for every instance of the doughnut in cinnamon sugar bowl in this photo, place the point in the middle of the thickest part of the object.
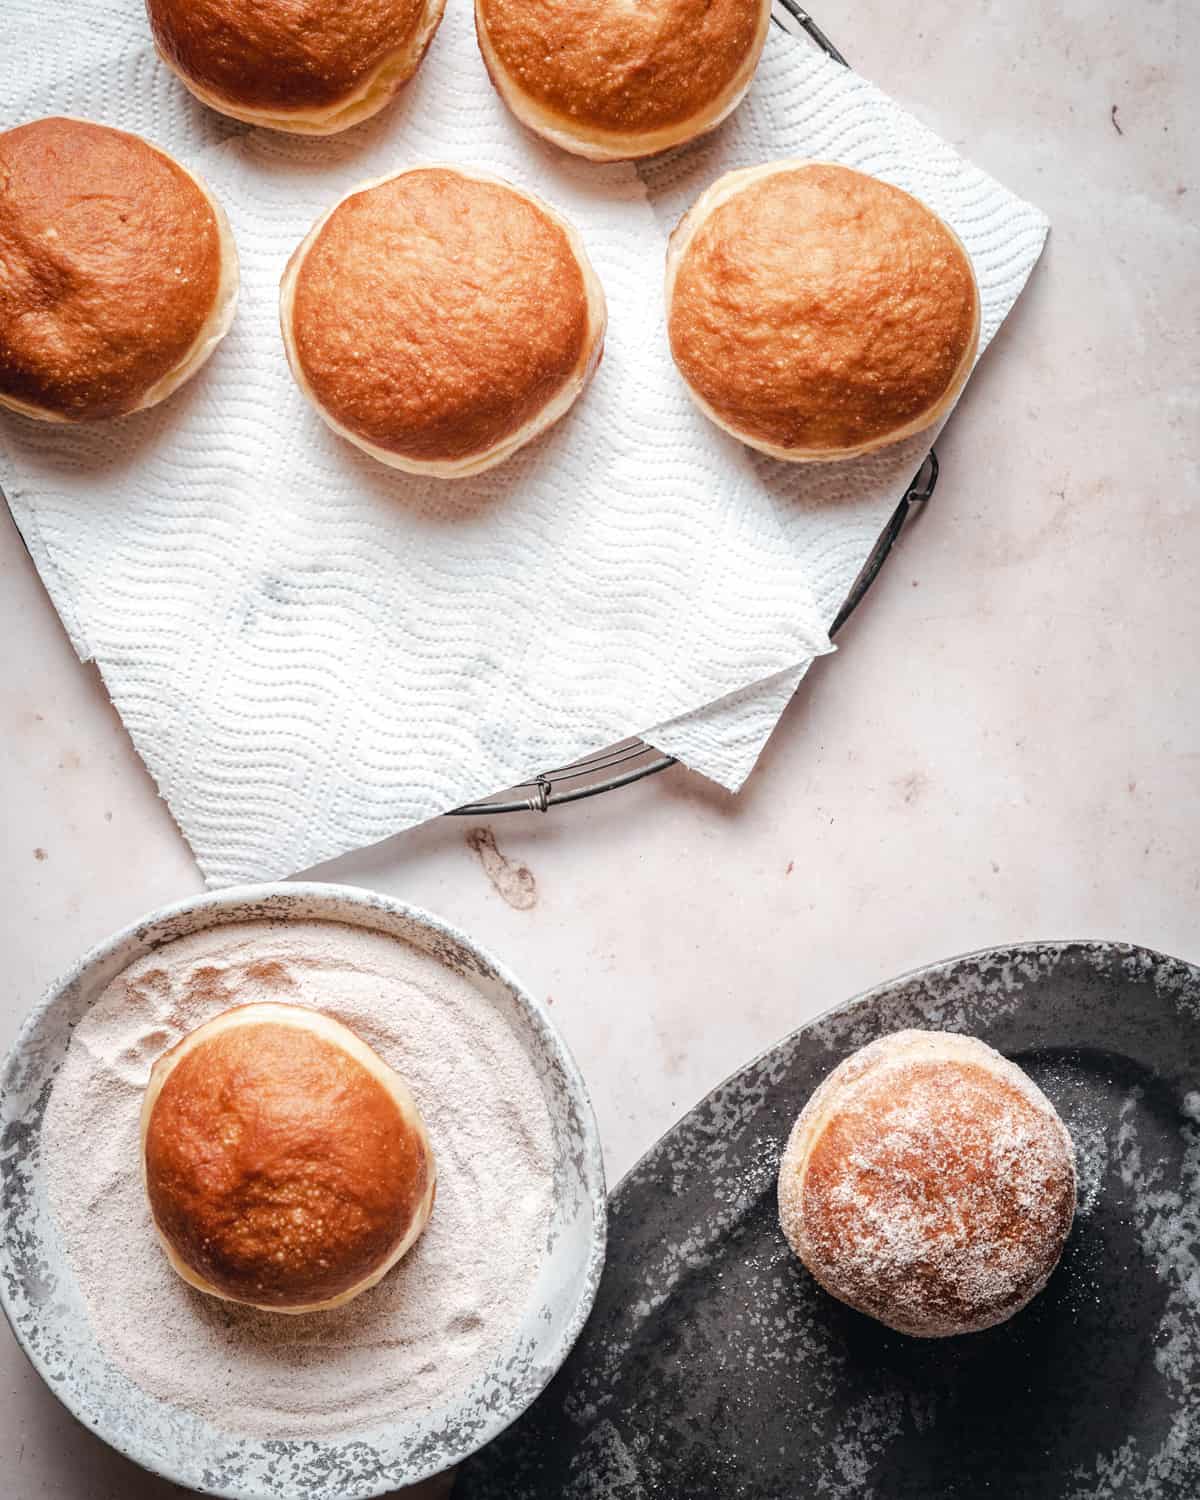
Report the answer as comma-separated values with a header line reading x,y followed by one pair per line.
x,y
929,1183
310,67
286,1164
118,271
612,80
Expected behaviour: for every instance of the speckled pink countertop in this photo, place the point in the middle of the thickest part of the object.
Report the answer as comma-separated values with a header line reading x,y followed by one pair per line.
x,y
1007,746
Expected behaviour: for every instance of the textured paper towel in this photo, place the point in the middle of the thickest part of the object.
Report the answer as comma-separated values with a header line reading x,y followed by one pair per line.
x,y
311,651
805,105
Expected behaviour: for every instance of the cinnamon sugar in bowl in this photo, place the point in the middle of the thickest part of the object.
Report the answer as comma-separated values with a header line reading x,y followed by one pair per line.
x,y
415,1373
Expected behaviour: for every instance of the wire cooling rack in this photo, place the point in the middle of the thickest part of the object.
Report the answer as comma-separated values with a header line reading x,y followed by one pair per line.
x,y
632,759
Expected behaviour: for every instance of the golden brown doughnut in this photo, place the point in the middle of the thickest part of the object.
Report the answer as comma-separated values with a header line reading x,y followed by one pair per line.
x,y
611,82
118,271
818,313
440,319
312,67
929,1183
286,1165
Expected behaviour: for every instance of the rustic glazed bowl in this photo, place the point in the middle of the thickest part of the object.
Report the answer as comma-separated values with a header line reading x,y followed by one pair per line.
x,y
43,1303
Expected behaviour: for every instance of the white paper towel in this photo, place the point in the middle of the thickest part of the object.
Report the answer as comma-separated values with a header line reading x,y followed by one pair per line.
x,y
805,105
311,652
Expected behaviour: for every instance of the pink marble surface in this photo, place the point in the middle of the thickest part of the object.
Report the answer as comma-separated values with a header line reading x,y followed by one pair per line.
x,y
1007,746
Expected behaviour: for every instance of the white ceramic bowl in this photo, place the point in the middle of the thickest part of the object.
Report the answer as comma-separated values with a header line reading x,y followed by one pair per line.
x,y
43,1303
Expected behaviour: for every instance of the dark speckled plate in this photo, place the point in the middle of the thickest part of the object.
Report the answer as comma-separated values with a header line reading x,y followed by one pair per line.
x,y
713,1365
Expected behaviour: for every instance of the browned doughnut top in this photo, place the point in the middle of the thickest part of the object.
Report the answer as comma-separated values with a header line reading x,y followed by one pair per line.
x,y
281,54
435,314
818,308
622,65
110,262
278,1167
932,1187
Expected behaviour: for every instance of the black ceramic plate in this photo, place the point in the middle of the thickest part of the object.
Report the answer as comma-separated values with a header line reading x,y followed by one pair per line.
x,y
713,1365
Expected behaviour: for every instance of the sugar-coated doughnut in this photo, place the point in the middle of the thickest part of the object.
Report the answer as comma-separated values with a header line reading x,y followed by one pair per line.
x,y
929,1183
